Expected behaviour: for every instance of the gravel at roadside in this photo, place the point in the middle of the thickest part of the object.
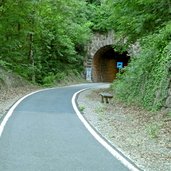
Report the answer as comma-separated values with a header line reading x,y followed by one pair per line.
x,y
136,133
10,96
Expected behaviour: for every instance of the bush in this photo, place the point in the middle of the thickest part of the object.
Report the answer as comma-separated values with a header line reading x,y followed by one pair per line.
x,y
145,80
49,80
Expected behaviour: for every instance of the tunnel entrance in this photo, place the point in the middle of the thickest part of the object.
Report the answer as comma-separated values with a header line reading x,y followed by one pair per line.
x,y
106,63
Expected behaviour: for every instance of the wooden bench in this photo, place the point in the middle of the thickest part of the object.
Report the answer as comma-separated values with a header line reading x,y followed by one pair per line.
x,y
106,96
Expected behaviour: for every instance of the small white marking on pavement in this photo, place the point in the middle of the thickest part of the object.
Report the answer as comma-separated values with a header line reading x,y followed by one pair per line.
x,y
99,139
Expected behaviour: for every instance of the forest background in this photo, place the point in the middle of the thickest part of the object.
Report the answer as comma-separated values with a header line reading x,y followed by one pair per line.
x,y
44,40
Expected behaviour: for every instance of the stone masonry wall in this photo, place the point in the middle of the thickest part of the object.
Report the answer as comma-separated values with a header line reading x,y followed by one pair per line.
x,y
99,41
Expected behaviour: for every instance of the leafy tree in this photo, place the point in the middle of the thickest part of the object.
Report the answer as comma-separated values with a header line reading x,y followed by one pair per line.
x,y
39,38
97,2
146,77
134,19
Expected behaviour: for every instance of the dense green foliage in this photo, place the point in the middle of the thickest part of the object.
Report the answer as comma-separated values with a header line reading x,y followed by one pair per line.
x,y
43,38
146,78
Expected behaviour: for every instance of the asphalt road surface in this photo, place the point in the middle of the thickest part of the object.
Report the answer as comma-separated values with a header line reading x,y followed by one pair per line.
x,y
45,134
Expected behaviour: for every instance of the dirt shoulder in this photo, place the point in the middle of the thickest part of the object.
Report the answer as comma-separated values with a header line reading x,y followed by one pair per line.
x,y
9,96
144,137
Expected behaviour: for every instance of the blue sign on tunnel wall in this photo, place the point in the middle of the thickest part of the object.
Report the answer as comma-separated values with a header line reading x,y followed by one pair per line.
x,y
119,65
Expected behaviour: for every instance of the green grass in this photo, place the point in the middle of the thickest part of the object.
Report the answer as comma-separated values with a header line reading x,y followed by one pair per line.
x,y
81,108
153,130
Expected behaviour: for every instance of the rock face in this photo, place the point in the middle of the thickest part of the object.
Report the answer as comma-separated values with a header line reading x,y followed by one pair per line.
x,y
168,100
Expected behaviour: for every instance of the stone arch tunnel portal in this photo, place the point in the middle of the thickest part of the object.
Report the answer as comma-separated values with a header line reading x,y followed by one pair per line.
x,y
107,63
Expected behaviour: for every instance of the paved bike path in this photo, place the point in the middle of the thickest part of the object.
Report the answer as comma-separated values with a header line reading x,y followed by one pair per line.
x,y
45,134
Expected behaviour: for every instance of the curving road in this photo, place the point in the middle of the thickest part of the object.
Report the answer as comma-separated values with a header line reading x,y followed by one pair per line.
x,y
45,134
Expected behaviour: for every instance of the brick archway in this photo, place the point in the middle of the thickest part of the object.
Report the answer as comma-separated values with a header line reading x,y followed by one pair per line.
x,y
101,59
104,64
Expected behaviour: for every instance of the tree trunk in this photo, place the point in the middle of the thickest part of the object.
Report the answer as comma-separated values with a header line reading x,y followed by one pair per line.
x,y
31,57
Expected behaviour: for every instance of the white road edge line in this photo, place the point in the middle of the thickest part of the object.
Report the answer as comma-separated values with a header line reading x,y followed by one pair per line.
x,y
99,139
11,110
96,136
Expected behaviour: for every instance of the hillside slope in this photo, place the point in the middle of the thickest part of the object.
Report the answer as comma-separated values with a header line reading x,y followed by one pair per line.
x,y
12,87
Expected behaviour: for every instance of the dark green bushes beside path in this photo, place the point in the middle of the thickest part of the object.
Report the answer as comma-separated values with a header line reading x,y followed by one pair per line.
x,y
43,40
147,77
40,39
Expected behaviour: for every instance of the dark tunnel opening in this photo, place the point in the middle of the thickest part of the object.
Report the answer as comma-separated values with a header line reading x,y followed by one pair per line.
x,y
107,63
